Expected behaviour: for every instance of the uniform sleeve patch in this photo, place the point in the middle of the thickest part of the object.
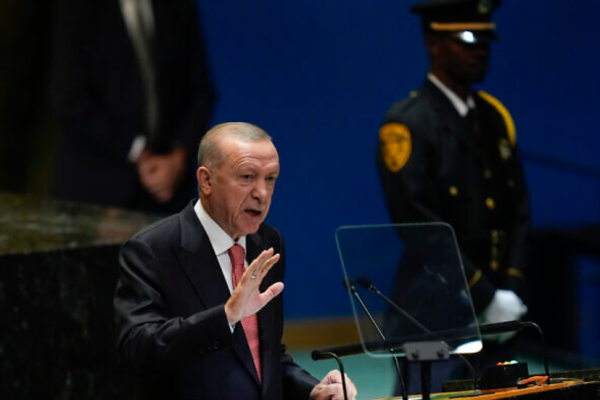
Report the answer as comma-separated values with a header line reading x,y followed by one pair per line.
x,y
396,145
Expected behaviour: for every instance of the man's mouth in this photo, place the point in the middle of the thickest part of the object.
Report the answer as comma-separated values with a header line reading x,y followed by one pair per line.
x,y
253,212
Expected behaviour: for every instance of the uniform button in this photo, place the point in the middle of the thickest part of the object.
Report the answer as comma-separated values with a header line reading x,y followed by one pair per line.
x,y
495,236
490,203
494,264
511,183
453,191
487,174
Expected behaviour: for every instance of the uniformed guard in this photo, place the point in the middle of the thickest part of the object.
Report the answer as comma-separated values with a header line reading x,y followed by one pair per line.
x,y
449,153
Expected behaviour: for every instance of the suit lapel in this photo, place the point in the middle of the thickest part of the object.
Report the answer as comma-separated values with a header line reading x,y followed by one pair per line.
x,y
198,260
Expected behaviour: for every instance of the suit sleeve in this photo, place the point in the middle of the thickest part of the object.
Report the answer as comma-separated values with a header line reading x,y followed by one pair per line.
x,y
75,99
195,120
519,233
148,338
297,383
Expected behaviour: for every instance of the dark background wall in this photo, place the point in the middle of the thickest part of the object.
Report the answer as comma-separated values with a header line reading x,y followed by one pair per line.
x,y
319,75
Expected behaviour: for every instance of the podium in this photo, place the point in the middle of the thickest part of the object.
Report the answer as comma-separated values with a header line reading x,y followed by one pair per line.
x,y
416,305
58,273
570,390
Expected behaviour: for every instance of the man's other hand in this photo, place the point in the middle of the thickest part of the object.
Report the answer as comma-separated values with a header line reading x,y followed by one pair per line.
x,y
330,388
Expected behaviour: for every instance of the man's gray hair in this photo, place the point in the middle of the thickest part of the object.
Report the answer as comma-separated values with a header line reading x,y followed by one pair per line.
x,y
210,154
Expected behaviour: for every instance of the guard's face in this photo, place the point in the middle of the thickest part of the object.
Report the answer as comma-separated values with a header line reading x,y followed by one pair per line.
x,y
238,194
464,63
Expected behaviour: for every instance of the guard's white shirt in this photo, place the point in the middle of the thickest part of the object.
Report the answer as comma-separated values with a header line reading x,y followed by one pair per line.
x,y
461,106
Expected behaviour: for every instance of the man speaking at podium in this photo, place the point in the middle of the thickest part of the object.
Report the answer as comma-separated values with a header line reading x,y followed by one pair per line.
x,y
448,153
198,303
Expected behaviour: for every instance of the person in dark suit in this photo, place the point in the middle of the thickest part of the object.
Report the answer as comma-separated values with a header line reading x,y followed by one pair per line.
x,y
448,153
179,304
131,89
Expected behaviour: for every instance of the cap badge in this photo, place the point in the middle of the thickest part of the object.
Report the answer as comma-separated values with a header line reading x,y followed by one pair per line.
x,y
485,6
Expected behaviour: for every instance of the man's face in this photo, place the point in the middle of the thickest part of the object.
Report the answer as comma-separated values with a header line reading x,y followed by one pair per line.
x,y
238,193
463,63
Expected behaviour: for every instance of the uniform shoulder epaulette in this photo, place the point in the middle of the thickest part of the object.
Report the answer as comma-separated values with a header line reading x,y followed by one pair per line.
x,y
503,111
404,105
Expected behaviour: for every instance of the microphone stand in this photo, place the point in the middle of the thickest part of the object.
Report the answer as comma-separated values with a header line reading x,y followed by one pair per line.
x,y
510,326
440,348
350,287
330,354
499,327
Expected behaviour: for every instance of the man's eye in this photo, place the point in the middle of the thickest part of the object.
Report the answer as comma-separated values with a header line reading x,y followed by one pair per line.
x,y
246,177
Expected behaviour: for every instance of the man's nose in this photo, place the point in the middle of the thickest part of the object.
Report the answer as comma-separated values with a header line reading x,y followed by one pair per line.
x,y
261,191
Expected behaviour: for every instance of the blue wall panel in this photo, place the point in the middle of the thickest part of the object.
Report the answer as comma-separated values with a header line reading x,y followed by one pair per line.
x,y
319,75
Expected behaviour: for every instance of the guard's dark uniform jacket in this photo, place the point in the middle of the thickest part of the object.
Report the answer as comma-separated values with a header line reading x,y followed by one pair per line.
x,y
438,166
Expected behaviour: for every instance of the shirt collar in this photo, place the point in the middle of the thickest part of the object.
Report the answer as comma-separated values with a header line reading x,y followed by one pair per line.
x,y
219,239
461,106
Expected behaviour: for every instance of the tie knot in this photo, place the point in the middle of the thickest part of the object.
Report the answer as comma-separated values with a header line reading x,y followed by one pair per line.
x,y
236,253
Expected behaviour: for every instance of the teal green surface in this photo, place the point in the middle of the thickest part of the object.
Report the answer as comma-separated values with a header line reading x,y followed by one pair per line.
x,y
374,377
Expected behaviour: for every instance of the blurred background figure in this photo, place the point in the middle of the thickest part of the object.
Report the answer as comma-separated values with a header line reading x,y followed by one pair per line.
x,y
27,129
131,87
448,153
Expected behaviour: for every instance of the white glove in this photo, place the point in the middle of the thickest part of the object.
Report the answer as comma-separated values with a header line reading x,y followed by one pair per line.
x,y
505,306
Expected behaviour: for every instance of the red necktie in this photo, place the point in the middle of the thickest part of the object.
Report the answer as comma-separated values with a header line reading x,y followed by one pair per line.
x,y
250,323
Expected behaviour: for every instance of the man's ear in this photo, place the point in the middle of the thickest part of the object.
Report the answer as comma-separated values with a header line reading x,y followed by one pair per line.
x,y
205,177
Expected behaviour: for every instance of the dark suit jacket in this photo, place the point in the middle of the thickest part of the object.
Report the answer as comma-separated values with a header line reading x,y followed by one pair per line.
x,y
98,95
451,174
173,332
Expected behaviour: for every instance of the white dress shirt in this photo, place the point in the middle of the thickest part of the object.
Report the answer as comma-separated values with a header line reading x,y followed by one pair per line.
x,y
220,241
461,106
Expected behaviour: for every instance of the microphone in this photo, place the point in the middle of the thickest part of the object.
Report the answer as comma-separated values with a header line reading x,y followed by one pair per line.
x,y
486,329
367,284
349,285
515,326
501,327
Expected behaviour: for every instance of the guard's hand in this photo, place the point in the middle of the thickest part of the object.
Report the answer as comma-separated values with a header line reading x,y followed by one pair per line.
x,y
161,174
330,388
505,306
247,299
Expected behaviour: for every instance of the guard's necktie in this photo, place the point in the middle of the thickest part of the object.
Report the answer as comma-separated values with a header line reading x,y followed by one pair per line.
x,y
472,119
250,323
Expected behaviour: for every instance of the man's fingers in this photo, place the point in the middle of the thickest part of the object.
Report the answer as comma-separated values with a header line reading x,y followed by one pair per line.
x,y
331,387
261,265
272,291
262,269
332,391
333,376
